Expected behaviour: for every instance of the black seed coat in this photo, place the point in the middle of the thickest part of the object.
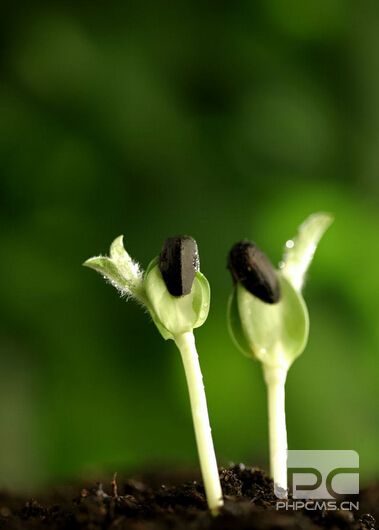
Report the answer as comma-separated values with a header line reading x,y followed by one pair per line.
x,y
252,268
178,263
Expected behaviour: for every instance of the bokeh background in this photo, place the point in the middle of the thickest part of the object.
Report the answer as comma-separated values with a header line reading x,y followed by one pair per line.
x,y
218,119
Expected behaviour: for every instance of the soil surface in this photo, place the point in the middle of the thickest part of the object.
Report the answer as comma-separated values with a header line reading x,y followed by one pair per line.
x,y
158,502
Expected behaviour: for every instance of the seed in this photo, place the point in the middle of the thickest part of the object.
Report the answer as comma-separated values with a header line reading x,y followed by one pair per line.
x,y
178,263
252,268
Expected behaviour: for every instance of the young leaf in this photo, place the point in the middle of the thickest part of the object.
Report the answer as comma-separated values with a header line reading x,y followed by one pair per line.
x,y
300,250
120,270
127,267
107,268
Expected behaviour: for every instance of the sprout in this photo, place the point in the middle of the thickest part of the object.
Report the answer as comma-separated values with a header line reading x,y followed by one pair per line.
x,y
268,320
177,297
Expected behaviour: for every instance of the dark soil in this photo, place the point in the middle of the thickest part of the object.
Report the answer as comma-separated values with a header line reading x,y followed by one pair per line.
x,y
250,503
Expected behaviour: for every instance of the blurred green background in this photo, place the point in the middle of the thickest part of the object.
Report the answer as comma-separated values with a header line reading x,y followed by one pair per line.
x,y
216,119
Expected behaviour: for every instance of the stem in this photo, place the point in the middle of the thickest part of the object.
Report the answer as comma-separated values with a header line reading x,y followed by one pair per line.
x,y
186,344
275,379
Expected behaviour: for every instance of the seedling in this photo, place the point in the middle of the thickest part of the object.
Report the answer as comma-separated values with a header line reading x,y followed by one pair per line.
x,y
177,297
268,320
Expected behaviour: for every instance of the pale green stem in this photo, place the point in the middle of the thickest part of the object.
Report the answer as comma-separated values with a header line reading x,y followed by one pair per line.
x,y
275,380
208,463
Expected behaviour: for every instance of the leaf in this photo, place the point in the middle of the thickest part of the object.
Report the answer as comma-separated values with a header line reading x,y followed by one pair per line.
x,y
300,250
162,330
235,326
201,300
276,333
151,265
176,314
109,270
